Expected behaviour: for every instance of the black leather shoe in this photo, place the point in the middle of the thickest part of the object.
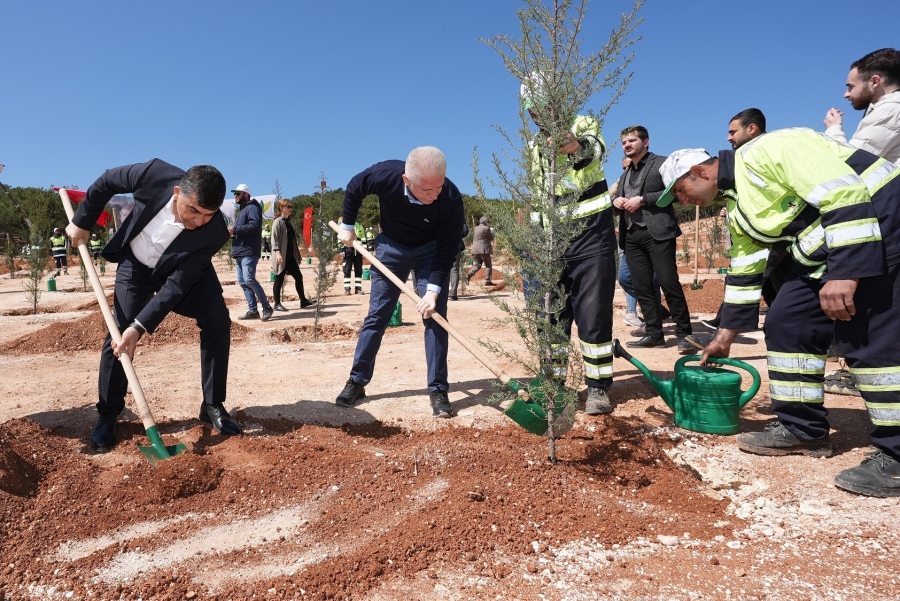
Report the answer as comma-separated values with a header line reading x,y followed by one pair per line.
x,y
103,437
217,416
250,315
306,303
440,404
279,307
453,297
266,314
646,342
351,393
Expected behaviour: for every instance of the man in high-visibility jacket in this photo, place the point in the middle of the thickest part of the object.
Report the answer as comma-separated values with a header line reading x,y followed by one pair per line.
x,y
840,209
590,272
353,263
96,247
58,248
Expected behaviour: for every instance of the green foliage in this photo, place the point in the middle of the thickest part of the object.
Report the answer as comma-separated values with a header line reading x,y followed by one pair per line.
x,y
560,79
37,265
323,244
685,250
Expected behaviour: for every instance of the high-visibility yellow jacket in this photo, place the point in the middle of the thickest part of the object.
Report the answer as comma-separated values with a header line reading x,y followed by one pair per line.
x,y
837,206
58,245
581,174
96,245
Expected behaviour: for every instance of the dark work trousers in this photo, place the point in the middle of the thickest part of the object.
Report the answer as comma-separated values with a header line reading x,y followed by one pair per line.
x,y
797,337
454,274
352,264
400,260
645,257
778,269
134,289
591,285
292,269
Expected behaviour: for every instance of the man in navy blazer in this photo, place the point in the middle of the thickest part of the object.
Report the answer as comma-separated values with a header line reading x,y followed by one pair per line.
x,y
164,251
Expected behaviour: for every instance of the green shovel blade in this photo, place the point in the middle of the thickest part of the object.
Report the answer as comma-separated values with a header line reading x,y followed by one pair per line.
x,y
159,451
531,414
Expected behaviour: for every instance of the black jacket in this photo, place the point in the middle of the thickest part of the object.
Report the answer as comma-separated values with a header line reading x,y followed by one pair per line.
x,y
187,257
660,221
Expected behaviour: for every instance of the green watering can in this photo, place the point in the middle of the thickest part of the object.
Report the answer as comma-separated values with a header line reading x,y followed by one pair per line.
x,y
702,399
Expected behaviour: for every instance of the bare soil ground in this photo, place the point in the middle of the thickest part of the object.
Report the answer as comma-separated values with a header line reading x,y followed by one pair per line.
x,y
383,502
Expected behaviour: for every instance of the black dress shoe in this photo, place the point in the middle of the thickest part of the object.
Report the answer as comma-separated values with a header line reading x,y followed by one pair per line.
x,y
103,437
646,342
307,303
217,416
250,315
279,307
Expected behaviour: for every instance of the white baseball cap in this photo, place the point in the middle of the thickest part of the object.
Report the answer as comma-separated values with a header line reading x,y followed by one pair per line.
x,y
242,188
677,165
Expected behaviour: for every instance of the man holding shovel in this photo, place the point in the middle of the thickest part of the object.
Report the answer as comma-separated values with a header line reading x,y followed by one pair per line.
x,y
164,251
421,218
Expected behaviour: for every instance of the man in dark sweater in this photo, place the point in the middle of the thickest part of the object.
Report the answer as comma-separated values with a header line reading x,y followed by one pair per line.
x,y
421,218
246,249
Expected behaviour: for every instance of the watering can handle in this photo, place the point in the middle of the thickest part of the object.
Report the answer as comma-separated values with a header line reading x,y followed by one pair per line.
x,y
750,392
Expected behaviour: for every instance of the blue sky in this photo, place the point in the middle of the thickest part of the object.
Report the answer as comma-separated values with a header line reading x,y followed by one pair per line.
x,y
288,89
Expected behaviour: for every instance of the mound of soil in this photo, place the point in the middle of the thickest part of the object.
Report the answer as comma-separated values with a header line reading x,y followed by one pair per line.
x,y
185,475
17,476
706,299
335,511
327,333
89,332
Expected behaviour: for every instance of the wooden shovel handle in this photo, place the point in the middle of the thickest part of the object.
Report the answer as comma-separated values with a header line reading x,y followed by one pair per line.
x,y
136,391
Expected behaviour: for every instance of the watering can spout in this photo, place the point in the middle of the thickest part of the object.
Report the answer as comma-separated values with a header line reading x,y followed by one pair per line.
x,y
665,388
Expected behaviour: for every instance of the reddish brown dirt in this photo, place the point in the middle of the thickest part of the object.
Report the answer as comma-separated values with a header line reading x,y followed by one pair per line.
x,y
479,493
326,333
706,299
89,332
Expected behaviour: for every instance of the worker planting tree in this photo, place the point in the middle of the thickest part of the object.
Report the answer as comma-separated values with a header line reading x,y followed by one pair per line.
x,y
565,237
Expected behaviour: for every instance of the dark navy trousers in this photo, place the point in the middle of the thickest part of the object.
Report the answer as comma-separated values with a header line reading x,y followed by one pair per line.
x,y
400,260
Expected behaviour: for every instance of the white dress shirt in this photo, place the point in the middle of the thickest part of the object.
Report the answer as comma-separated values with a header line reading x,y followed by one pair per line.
x,y
150,244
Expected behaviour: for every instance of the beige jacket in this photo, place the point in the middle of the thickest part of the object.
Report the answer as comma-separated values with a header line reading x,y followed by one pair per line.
x,y
878,131
279,243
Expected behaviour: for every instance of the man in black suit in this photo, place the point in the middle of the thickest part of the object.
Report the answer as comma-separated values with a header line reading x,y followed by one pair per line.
x,y
164,250
647,234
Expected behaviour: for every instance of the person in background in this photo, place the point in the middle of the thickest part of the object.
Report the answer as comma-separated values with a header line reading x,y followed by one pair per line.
x,y
96,245
246,249
58,247
482,250
266,241
353,263
286,256
454,270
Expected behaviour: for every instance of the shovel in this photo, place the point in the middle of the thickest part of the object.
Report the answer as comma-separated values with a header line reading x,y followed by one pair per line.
x,y
157,451
528,409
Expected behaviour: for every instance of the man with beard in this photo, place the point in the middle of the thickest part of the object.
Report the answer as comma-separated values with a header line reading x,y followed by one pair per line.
x,y
873,85
246,249
647,234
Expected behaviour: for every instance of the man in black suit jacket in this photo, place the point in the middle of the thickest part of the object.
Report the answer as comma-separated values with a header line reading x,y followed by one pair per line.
x,y
164,250
647,234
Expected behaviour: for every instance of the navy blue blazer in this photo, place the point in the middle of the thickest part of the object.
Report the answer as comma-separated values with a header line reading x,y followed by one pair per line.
x,y
187,257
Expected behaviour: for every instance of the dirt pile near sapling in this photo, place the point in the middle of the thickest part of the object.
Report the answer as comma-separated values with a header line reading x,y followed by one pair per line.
x,y
185,475
17,476
89,332
331,332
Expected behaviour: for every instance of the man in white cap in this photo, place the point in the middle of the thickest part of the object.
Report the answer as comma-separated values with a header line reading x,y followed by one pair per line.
x,y
246,248
839,208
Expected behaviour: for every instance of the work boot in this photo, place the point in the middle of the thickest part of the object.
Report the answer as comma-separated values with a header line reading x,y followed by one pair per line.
x,y
778,440
877,476
597,402
440,404
218,417
103,437
250,315
841,382
347,292
358,290
351,393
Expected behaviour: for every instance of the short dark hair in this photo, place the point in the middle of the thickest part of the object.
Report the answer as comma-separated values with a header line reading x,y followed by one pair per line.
x,y
640,130
884,62
748,116
207,183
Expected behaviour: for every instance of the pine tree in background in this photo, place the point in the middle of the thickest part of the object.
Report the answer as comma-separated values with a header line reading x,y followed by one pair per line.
x,y
558,81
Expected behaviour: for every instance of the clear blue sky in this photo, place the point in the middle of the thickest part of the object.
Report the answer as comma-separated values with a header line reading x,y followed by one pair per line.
x,y
288,89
